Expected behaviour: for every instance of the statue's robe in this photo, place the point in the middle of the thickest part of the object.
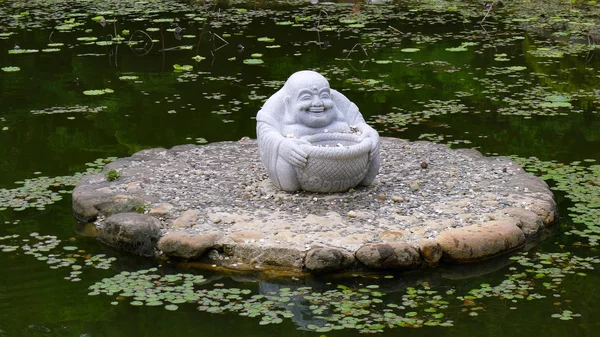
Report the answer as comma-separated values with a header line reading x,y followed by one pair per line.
x,y
274,118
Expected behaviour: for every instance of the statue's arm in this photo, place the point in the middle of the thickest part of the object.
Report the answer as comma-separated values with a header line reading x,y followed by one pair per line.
x,y
274,145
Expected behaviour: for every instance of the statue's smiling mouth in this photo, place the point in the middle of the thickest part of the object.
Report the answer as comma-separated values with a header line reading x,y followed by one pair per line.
x,y
317,109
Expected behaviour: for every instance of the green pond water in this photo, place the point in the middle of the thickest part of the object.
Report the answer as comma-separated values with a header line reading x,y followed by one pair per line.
x,y
85,81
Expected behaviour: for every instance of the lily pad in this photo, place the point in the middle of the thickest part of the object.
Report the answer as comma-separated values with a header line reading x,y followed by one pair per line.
x,y
10,69
185,67
87,38
23,51
97,92
128,77
253,61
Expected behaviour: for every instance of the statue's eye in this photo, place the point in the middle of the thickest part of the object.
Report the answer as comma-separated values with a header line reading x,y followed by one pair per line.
x,y
325,96
306,97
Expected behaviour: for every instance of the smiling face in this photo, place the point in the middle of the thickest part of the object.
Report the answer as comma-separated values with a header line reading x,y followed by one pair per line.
x,y
309,99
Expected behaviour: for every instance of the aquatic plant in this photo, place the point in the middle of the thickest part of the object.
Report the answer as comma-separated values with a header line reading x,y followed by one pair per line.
x,y
42,191
112,175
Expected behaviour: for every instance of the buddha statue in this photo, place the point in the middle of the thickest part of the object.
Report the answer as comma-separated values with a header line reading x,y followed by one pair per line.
x,y
303,107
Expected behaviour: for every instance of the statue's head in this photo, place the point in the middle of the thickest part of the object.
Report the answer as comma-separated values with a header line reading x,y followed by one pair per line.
x,y
308,98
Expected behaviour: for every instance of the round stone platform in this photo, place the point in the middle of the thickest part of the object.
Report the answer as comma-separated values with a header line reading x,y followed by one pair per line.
x,y
215,203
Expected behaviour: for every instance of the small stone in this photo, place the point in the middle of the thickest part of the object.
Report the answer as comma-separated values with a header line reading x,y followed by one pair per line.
x,y
424,165
355,239
187,219
391,235
414,185
396,198
161,209
352,214
247,236
134,187
381,196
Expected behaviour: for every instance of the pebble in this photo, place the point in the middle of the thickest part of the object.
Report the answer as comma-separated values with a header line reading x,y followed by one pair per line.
x,y
396,198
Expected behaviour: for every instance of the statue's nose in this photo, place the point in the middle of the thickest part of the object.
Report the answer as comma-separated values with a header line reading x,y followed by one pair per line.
x,y
317,101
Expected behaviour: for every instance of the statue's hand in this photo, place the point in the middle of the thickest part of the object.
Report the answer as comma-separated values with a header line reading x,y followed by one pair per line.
x,y
291,152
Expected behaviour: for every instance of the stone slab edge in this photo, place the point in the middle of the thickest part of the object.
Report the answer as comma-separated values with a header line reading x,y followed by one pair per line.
x,y
92,199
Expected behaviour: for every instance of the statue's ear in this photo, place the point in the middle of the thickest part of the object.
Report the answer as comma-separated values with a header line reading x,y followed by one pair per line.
x,y
287,100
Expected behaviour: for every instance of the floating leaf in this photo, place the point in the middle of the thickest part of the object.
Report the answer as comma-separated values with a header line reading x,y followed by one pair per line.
x,y
546,52
185,67
457,49
10,69
97,92
87,38
253,61
23,51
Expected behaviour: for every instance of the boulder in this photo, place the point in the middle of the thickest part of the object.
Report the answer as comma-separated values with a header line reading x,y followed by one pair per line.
x,y
89,201
326,260
431,251
529,222
392,255
481,241
132,232
86,198
544,206
184,245
264,256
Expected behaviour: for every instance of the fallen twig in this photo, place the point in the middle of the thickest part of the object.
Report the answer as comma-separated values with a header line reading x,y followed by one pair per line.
x,y
488,13
351,50
395,30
